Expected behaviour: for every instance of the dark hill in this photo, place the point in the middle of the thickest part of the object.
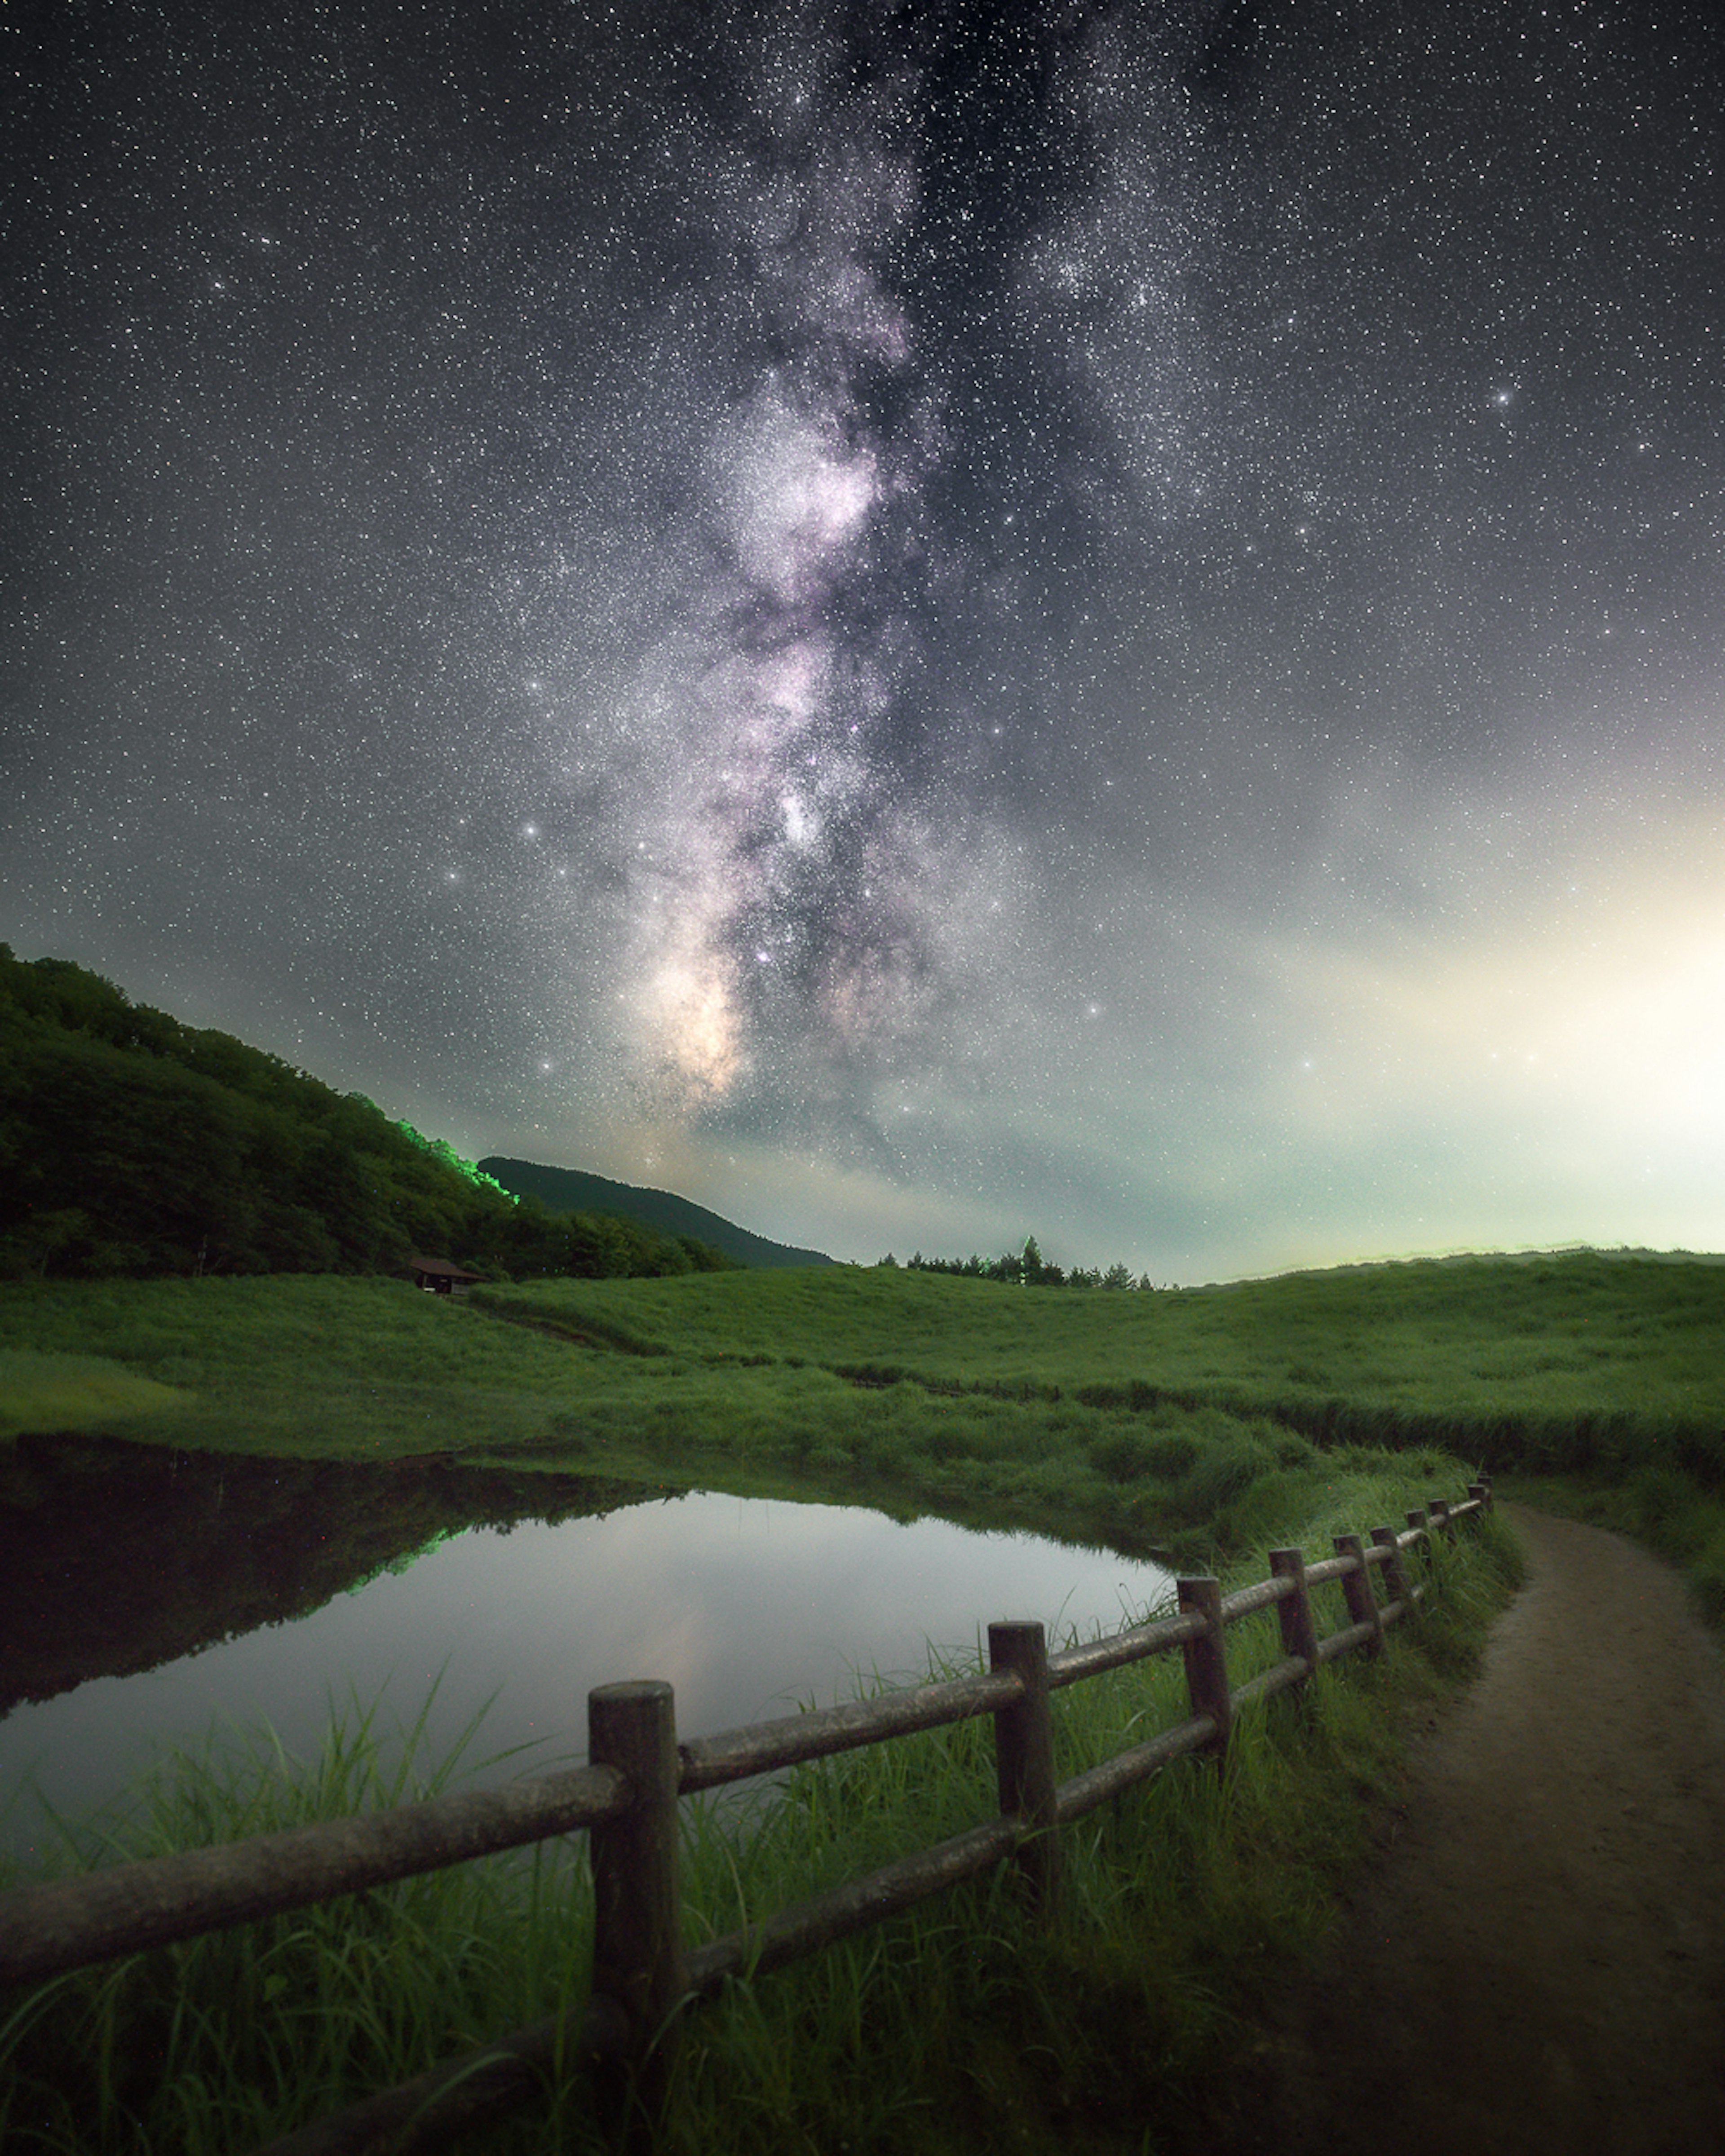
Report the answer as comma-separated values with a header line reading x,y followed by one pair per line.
x,y
574,1190
130,1143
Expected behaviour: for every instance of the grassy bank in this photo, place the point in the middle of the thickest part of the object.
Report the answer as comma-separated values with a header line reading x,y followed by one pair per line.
x,y
1555,1353
368,1370
965,2024
1210,1423
1184,1421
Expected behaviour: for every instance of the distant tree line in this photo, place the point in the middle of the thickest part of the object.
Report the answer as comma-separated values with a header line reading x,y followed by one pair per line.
x,y
132,1144
1028,1268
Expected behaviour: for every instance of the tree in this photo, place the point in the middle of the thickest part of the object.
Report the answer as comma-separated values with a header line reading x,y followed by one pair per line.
x,y
129,1143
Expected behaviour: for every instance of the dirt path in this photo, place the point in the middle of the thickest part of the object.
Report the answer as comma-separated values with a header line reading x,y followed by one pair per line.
x,y
1537,1962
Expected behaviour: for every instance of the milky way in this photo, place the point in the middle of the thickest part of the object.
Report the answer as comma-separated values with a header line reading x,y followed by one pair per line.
x,y
924,621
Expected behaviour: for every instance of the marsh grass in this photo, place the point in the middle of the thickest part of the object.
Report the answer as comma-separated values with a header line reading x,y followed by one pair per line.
x,y
42,1391
1132,1417
213,2044
1552,1363
304,1365
1570,1351
1210,1423
370,1370
965,2024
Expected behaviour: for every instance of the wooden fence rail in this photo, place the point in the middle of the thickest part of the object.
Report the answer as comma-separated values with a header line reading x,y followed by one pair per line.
x,y
627,1800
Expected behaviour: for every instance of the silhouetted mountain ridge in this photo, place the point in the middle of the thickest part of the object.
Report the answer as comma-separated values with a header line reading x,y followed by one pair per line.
x,y
574,1190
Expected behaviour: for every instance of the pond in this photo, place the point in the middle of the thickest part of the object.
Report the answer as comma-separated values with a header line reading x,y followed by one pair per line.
x,y
748,1607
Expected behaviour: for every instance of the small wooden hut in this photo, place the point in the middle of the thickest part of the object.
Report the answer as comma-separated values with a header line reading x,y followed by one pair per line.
x,y
438,1277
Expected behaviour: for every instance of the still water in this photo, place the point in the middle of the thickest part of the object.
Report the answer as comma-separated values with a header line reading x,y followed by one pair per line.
x,y
747,1607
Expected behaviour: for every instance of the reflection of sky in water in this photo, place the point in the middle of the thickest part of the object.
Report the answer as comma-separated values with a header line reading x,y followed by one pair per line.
x,y
745,1607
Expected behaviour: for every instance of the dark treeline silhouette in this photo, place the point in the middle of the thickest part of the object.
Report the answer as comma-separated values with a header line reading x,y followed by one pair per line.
x,y
132,1144
1027,1268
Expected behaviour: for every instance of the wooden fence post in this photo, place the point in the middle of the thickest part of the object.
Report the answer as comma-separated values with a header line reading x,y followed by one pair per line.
x,y
1206,1660
1299,1634
1357,1591
1395,1573
1023,1757
638,1954
1440,1517
1482,1491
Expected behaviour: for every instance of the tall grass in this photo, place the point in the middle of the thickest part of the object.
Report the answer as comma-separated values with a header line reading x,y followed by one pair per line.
x,y
306,1365
1568,1353
962,2024
213,2043
1148,1422
370,1370
40,1391
1209,1421
1560,1362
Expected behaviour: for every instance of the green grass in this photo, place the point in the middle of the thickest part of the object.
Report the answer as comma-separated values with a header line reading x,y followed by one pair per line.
x,y
74,1392
306,1365
299,1366
1476,1347
1470,1344
1211,1422
216,2044
1174,1421
964,2024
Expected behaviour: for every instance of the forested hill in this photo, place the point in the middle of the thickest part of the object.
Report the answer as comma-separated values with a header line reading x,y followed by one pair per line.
x,y
130,1143
574,1190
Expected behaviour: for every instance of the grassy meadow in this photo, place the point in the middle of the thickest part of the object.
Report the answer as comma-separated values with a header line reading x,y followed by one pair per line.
x,y
1470,1348
1208,1423
1208,1419
916,1393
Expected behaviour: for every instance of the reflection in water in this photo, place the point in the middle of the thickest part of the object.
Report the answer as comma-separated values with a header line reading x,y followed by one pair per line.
x,y
747,1607
116,1557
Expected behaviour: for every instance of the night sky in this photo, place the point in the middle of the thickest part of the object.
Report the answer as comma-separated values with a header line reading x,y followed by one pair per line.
x,y
922,623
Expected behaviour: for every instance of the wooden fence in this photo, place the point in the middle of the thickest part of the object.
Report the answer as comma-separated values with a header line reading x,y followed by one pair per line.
x,y
627,1798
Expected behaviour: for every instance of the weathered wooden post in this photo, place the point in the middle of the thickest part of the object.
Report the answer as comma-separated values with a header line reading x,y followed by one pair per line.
x,y
1299,1634
638,1954
1357,1591
1023,1757
1441,1518
1481,1490
1395,1573
1206,1659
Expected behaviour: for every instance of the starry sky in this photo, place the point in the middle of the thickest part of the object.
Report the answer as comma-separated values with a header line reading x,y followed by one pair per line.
x,y
922,621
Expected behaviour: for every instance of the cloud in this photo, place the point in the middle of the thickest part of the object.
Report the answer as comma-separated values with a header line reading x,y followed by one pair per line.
x,y
1556,1035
